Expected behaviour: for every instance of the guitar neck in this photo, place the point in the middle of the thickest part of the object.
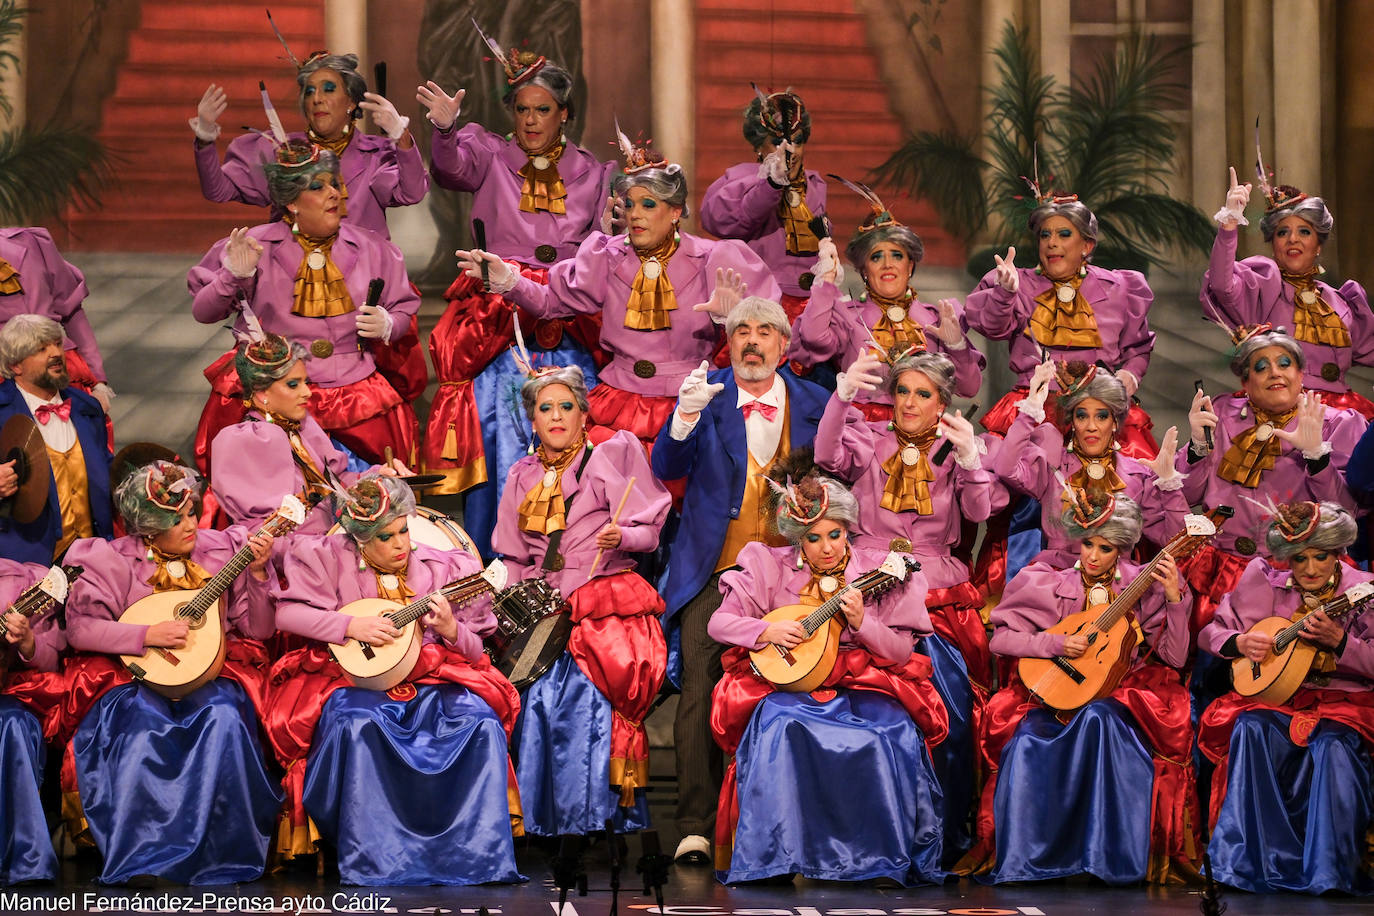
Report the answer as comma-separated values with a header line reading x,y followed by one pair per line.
x,y
868,584
220,582
459,592
33,600
1336,608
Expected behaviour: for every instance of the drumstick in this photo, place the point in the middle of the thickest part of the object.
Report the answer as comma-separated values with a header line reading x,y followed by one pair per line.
x,y
615,516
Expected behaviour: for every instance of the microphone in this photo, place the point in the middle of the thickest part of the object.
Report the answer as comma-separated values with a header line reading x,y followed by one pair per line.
x,y
653,865
379,78
567,867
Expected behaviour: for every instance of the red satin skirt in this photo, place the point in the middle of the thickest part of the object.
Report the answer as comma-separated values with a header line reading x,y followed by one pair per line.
x,y
1135,436
1340,400
365,416
954,613
1212,574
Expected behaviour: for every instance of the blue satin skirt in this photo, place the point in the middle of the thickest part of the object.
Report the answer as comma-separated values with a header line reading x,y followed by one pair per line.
x,y
176,789
1294,818
1025,539
1074,799
842,790
506,433
27,853
953,759
412,792
563,754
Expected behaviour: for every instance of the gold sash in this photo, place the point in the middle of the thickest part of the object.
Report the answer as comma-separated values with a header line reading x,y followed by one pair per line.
x,y
908,485
1064,324
652,299
1324,662
1249,457
543,188
322,292
1314,321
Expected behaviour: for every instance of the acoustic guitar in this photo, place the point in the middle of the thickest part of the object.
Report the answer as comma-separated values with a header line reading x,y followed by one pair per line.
x,y
383,667
805,667
49,591
176,672
1067,684
1283,670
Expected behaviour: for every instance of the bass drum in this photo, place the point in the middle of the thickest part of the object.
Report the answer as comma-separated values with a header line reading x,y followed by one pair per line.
x,y
433,529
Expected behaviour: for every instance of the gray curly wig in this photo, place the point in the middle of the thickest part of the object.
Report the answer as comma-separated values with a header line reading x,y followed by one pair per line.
x,y
566,375
551,77
863,243
285,182
841,507
668,186
346,65
1075,211
1240,362
371,504
1106,388
1335,530
1121,530
1311,209
935,366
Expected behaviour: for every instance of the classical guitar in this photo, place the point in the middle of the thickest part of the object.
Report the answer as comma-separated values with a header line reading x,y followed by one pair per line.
x,y
806,666
176,672
49,591
383,667
1066,684
1283,670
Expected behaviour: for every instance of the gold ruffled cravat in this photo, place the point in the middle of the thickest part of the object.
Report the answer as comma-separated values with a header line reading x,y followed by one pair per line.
x,y
176,572
543,511
796,217
901,333
320,288
909,475
543,186
1254,450
1056,322
1314,321
651,295
1110,481
9,279
812,593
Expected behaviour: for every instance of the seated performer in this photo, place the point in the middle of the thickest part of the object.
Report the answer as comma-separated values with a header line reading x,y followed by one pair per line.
x,y
573,514
409,785
1293,796
1111,791
858,746
1081,446
306,277
661,294
1334,327
73,430
279,447
768,204
1069,309
32,687
177,789
538,196
916,506
729,428
887,317
36,280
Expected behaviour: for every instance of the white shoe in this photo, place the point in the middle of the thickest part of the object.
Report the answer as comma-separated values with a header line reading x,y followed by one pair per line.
x,y
694,849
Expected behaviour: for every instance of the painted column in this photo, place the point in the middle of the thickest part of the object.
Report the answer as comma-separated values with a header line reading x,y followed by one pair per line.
x,y
672,36
1298,65
1209,107
345,30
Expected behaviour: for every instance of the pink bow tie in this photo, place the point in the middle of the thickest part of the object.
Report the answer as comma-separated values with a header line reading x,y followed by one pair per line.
x,y
45,412
768,410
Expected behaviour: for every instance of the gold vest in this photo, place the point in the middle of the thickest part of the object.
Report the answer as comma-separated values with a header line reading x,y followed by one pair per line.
x,y
752,524
69,471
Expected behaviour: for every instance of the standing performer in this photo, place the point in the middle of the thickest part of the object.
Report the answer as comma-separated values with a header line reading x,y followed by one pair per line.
x,y
1293,798
32,689
1109,789
660,293
888,318
917,506
307,278
574,514
1069,309
36,280
177,789
537,196
729,428
409,785
74,434
769,204
857,745
1334,327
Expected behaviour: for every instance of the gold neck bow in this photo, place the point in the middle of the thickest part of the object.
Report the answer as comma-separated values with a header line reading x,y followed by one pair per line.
x,y
812,593
320,289
543,186
1314,321
896,333
796,217
1110,481
9,279
652,296
1063,318
909,474
174,572
1254,450
543,510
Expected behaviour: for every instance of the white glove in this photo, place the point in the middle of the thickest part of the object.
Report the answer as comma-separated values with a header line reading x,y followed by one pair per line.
x,y
443,108
385,115
103,393
1308,436
696,392
613,216
730,289
1166,474
959,431
1007,277
374,323
948,330
1200,419
212,105
501,276
1033,405
828,268
242,253
774,167
1128,380
862,375
1233,214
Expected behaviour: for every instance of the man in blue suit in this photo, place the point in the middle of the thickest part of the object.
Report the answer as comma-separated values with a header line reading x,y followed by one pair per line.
x,y
73,429
729,428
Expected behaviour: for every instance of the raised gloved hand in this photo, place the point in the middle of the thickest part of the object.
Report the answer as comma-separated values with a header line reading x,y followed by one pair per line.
x,y
1033,405
828,268
774,167
442,108
730,289
1128,381
1163,463
384,115
613,216
948,330
1200,419
864,374
1237,196
1308,436
1006,274
211,106
696,392
959,431
241,254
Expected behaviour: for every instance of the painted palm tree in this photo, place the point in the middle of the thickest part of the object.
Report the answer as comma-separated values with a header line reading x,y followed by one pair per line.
x,y
1107,140
43,169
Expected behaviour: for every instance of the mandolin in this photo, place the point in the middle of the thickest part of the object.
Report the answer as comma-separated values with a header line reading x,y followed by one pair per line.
x,y
383,667
1283,670
47,592
805,667
1066,684
176,672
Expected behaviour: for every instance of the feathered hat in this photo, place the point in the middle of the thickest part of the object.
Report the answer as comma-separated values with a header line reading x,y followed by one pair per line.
x,y
1276,196
520,66
782,114
880,216
639,157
